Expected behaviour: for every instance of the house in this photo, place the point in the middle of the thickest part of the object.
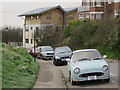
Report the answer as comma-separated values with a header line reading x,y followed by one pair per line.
x,y
98,9
48,17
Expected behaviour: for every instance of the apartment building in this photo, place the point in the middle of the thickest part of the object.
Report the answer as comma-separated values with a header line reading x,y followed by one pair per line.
x,y
98,9
48,17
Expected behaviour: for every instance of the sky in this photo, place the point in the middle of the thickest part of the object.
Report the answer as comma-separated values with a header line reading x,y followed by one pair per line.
x,y
10,10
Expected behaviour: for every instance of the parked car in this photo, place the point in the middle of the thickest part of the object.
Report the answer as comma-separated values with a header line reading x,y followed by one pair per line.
x,y
60,54
86,65
45,52
33,52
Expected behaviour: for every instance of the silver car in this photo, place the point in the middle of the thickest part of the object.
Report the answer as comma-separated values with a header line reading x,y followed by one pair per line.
x,y
45,52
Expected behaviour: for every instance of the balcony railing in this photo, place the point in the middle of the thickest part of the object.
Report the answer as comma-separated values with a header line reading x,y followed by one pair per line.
x,y
85,8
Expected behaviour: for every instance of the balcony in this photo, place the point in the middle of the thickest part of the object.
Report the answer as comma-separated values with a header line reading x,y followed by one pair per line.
x,y
85,8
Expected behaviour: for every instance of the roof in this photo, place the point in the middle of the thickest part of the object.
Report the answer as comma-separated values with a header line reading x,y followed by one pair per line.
x,y
68,10
41,10
83,50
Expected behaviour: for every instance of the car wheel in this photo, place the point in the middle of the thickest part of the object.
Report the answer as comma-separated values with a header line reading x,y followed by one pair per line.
x,y
69,76
41,57
55,63
107,80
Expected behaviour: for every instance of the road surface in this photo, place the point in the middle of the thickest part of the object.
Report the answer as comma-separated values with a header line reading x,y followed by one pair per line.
x,y
96,84
51,76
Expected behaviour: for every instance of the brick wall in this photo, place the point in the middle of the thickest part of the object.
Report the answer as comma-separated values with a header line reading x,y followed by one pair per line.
x,y
42,18
76,16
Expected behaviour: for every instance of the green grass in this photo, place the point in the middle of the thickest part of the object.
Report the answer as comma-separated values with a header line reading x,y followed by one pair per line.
x,y
13,76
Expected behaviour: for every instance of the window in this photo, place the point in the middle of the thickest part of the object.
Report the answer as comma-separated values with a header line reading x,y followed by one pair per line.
x,y
48,16
71,16
92,16
36,28
31,41
59,16
87,2
87,16
117,11
98,16
81,16
37,16
109,1
27,40
27,17
92,3
98,2
31,28
31,17
26,29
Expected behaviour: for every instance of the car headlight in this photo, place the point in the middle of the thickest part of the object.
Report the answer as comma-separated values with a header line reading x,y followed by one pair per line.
x,y
76,70
105,68
56,57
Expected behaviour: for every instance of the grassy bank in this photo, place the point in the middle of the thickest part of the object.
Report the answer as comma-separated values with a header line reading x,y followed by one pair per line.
x,y
18,68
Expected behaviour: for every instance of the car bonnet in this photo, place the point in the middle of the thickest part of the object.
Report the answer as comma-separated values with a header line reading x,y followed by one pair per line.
x,y
89,64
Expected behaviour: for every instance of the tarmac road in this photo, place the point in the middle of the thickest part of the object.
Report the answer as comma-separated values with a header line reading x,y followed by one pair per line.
x,y
51,76
96,84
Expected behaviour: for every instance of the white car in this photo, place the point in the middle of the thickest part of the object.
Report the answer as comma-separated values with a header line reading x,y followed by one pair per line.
x,y
86,65
45,52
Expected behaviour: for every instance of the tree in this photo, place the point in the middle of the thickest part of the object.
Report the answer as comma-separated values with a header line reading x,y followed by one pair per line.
x,y
11,34
48,36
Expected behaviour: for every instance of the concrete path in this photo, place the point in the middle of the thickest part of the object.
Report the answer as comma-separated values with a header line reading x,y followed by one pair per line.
x,y
49,76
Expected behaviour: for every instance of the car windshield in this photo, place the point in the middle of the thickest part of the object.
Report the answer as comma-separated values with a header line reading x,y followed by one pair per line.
x,y
44,49
86,55
60,50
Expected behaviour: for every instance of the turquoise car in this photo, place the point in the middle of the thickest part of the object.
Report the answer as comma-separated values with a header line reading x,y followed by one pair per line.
x,y
87,65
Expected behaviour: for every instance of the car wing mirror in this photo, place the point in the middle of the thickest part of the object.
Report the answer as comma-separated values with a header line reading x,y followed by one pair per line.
x,y
104,56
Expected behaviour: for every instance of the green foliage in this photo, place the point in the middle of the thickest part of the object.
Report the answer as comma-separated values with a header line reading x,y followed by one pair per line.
x,y
102,35
71,26
18,68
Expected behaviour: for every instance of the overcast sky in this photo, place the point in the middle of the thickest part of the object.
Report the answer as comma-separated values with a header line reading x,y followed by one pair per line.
x,y
10,10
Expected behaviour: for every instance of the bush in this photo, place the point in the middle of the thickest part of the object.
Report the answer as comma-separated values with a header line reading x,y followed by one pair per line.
x,y
102,35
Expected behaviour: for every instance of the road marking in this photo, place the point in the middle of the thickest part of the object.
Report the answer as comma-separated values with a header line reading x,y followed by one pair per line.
x,y
113,82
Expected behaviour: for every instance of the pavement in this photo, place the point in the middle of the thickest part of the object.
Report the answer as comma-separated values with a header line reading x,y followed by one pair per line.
x,y
49,76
